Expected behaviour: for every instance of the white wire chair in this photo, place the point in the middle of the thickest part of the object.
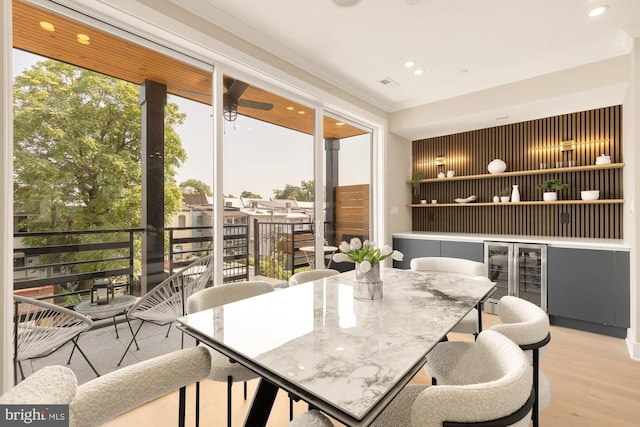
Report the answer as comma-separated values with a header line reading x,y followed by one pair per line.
x,y
40,328
166,302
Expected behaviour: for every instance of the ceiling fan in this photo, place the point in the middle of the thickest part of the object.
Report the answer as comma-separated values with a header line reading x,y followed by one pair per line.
x,y
231,99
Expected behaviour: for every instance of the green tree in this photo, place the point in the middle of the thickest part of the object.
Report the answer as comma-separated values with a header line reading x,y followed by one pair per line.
x,y
77,150
249,195
200,187
303,193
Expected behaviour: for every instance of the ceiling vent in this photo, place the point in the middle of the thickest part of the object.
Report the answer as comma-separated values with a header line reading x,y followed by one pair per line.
x,y
388,82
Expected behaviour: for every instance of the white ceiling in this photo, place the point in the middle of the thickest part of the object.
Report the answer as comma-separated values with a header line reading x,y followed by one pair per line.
x,y
464,45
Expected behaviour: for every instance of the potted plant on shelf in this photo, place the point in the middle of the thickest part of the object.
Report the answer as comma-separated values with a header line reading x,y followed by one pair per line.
x,y
504,194
551,188
415,182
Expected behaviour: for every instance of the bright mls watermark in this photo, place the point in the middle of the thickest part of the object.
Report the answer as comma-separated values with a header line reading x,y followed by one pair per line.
x,y
34,415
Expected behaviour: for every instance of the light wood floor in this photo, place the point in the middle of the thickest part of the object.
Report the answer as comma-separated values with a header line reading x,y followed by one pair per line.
x,y
594,383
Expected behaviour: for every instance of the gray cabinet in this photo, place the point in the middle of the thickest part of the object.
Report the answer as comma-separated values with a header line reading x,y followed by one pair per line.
x,y
415,248
589,289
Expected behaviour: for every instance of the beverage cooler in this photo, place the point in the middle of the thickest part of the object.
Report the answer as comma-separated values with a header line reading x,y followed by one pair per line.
x,y
519,269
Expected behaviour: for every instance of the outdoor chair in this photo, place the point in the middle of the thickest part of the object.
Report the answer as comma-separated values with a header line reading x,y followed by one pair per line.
x,y
311,275
166,302
97,401
457,267
40,328
223,369
491,386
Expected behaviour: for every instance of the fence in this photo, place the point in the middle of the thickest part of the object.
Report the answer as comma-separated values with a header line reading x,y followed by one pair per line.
x,y
276,247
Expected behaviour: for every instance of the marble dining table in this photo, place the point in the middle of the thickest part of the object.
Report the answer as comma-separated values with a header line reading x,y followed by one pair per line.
x,y
347,357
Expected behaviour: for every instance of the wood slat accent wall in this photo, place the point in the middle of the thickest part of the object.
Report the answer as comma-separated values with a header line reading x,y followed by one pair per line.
x,y
352,211
523,146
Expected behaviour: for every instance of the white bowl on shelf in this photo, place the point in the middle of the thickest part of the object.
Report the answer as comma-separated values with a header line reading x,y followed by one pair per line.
x,y
590,195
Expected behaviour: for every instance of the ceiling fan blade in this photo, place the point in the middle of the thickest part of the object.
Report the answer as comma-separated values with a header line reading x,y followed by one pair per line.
x,y
236,89
254,104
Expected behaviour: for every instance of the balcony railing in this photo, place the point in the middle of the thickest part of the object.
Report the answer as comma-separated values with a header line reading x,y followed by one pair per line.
x,y
62,265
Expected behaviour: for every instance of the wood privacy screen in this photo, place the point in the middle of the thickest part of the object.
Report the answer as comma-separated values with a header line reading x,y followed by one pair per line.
x,y
524,146
352,211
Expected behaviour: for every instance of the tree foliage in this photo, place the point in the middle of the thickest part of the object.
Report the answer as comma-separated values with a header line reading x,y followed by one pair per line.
x,y
77,149
302,193
250,195
200,187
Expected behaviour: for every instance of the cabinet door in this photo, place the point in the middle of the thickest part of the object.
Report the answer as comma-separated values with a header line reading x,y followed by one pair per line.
x,y
580,284
414,248
473,251
622,284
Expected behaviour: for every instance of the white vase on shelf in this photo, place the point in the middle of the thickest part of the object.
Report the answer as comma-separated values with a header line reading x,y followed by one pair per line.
x,y
515,194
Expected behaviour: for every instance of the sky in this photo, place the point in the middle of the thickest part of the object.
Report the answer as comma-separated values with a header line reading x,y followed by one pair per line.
x,y
257,156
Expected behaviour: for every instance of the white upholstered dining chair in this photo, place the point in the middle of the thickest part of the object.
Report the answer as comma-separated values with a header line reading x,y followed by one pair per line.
x,y
97,401
311,275
491,385
456,267
223,369
527,325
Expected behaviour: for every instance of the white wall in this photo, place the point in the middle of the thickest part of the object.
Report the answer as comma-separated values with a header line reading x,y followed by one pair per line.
x,y
631,133
397,191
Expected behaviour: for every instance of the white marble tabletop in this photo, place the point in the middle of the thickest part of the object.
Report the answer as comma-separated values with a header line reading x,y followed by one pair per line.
x,y
347,357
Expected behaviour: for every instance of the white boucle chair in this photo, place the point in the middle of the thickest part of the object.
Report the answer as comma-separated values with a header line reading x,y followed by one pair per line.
x,y
495,385
312,418
223,369
99,400
527,325
456,267
311,275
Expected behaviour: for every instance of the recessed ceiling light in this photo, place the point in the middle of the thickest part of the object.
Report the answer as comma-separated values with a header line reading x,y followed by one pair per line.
x,y
418,72
47,26
598,10
410,63
83,38
290,108
301,112
339,124
346,3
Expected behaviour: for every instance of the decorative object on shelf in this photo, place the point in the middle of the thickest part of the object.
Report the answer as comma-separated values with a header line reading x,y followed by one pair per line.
x,y
558,164
496,199
515,194
505,194
469,199
415,182
434,201
551,188
451,174
572,163
441,175
367,285
543,165
603,160
590,195
423,202
497,166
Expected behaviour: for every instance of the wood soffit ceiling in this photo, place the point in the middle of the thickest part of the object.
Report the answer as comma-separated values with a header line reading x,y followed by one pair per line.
x,y
113,56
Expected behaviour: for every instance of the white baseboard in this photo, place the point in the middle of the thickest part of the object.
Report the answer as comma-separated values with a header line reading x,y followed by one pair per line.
x,y
633,348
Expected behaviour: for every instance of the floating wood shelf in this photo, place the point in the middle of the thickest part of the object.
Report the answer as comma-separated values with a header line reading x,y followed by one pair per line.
x,y
522,173
512,204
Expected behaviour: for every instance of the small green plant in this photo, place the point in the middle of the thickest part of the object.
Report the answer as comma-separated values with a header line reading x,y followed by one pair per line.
x,y
415,181
552,185
505,192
